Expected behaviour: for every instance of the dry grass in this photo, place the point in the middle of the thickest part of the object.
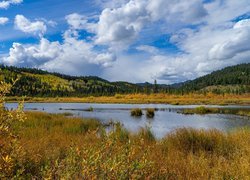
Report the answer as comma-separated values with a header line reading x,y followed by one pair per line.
x,y
150,113
137,112
58,147
210,98
207,110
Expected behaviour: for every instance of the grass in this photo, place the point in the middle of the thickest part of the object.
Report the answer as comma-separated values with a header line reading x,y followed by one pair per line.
x,y
206,110
150,113
90,109
59,147
198,99
137,112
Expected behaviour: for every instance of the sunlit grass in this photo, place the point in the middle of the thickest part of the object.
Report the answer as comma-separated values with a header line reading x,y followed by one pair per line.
x,y
207,110
152,98
137,112
150,113
55,146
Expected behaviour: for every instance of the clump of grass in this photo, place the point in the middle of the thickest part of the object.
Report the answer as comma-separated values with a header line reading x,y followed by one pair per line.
x,y
205,110
90,109
198,141
136,112
146,134
201,110
67,114
243,113
150,113
45,123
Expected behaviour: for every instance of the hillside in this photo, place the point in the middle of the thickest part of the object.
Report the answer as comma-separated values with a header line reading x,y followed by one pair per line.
x,y
233,79
39,83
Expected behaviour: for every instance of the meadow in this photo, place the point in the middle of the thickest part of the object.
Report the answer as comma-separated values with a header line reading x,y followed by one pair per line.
x,y
158,98
36,145
62,147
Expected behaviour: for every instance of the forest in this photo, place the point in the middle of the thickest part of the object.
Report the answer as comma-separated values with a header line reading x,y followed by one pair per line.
x,y
38,83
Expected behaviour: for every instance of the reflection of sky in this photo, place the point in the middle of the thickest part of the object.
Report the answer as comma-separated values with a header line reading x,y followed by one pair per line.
x,y
161,124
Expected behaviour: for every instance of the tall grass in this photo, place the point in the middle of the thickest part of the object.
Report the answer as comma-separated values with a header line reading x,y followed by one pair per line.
x,y
59,147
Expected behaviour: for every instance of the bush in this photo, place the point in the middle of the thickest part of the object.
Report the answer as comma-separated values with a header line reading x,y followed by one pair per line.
x,y
10,151
136,112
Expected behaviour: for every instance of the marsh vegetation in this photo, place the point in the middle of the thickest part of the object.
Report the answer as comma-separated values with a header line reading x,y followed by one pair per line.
x,y
55,146
37,145
207,110
137,112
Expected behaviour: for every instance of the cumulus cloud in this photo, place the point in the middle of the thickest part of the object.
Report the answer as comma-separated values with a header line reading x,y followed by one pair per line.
x,y
208,36
237,42
25,25
72,56
148,49
121,25
3,20
6,4
76,21
79,22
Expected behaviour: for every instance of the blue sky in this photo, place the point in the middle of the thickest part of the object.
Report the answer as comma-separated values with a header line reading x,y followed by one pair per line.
x,y
128,40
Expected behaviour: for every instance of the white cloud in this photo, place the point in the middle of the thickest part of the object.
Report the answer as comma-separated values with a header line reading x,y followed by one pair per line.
x,y
120,26
6,4
3,20
205,33
242,24
73,56
236,41
25,25
148,49
77,21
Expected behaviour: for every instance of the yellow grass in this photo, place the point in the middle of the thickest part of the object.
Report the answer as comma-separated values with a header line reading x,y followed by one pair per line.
x,y
199,99
58,147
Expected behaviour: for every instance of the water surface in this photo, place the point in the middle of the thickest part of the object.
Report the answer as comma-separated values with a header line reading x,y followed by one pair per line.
x,y
166,118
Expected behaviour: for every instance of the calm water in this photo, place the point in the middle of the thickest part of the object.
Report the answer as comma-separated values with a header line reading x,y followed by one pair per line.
x,y
166,118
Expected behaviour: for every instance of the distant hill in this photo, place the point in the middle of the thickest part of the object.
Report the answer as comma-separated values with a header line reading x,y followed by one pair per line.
x,y
230,79
39,83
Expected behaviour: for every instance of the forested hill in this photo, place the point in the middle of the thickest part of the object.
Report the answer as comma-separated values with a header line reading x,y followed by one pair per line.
x,y
230,79
39,83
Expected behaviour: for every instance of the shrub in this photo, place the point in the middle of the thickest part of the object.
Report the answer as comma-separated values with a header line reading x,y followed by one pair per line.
x,y
136,112
10,151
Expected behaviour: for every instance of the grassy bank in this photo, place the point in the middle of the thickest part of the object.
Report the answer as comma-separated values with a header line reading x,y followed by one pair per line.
x,y
226,99
55,147
207,110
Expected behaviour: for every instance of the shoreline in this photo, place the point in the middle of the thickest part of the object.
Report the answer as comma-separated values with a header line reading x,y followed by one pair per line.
x,y
192,99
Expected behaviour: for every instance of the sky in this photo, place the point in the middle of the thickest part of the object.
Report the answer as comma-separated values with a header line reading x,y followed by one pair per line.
x,y
126,40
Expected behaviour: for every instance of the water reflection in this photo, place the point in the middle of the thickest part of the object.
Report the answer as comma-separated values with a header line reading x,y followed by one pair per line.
x,y
166,117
